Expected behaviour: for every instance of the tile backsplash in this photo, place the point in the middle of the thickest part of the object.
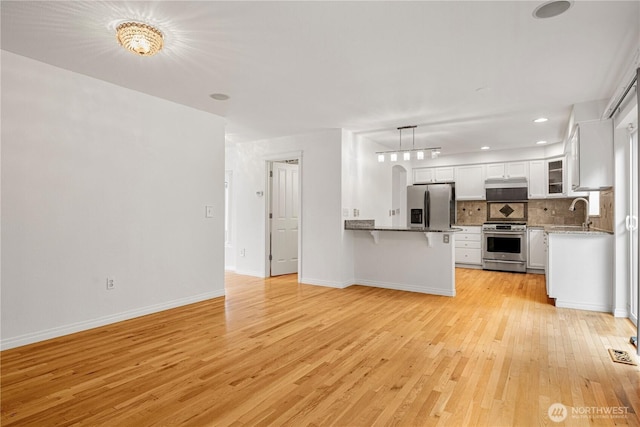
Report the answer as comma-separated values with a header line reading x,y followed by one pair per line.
x,y
555,212
471,212
544,212
605,220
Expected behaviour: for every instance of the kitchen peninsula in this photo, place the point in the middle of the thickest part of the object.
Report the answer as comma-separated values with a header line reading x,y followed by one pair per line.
x,y
412,259
584,279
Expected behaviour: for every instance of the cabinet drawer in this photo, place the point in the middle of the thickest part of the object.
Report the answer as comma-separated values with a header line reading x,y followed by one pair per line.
x,y
461,237
469,244
471,229
468,256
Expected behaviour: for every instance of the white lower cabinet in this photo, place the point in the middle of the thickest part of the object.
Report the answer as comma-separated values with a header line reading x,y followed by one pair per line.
x,y
469,245
536,250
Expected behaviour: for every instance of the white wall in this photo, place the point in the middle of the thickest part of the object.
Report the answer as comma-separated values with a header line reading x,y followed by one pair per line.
x,y
98,181
322,247
230,248
368,183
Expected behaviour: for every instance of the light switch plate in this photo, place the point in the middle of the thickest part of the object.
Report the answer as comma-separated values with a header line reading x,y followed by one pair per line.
x,y
208,212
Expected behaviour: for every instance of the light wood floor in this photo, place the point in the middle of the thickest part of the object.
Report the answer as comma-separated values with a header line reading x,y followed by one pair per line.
x,y
274,352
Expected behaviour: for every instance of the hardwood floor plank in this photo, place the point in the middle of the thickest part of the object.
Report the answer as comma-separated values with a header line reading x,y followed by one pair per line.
x,y
275,352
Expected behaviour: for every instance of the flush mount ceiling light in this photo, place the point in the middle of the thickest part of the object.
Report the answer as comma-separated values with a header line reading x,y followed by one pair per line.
x,y
541,142
552,8
141,39
406,154
485,147
540,120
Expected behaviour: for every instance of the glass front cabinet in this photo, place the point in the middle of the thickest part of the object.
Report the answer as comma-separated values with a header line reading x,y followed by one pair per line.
x,y
555,177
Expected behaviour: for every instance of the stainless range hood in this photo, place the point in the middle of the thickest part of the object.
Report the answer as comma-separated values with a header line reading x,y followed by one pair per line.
x,y
506,190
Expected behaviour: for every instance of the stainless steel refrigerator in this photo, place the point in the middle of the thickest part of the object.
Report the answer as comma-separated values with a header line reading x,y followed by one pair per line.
x,y
431,206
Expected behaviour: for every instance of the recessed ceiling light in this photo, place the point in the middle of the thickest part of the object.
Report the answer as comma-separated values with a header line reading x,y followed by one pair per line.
x,y
219,96
541,142
485,147
540,120
552,8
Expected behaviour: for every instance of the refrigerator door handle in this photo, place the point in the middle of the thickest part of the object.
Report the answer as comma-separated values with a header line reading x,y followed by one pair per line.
x,y
428,208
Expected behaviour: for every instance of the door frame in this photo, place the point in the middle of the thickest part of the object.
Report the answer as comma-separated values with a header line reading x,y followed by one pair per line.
x,y
268,161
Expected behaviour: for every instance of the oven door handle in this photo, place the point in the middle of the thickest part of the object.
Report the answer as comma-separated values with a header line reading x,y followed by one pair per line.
x,y
503,261
502,233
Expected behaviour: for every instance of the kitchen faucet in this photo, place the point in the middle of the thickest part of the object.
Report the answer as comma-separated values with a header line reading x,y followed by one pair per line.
x,y
586,222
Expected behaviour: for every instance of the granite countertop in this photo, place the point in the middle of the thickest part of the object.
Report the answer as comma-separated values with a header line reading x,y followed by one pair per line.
x,y
573,229
369,225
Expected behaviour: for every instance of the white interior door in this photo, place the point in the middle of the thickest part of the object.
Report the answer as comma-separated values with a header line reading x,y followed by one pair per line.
x,y
284,219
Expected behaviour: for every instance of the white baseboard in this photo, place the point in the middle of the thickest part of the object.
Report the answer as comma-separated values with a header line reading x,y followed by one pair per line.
x,y
581,306
408,288
231,268
327,283
620,312
59,331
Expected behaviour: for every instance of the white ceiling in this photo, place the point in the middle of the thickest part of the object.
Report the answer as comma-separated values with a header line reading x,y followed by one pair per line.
x,y
468,73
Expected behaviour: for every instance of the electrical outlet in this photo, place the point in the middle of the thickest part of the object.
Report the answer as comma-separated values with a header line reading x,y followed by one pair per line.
x,y
111,283
242,252
345,212
445,238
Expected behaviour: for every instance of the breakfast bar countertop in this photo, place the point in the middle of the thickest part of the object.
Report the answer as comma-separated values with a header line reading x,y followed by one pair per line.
x,y
369,225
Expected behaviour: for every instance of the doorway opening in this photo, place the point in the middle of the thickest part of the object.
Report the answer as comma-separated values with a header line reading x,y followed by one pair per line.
x,y
283,208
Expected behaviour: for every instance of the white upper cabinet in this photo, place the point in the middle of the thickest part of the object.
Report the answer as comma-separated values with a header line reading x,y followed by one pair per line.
x,y
423,175
432,175
508,170
445,175
537,179
556,177
470,182
592,155
517,169
495,170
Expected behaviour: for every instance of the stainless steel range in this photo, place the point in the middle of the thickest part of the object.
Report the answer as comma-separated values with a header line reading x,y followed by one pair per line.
x,y
504,246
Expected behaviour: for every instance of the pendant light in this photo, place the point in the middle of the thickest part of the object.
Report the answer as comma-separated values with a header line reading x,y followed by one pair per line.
x,y
406,155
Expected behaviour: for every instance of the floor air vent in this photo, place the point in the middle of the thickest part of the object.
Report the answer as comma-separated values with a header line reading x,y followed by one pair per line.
x,y
621,356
